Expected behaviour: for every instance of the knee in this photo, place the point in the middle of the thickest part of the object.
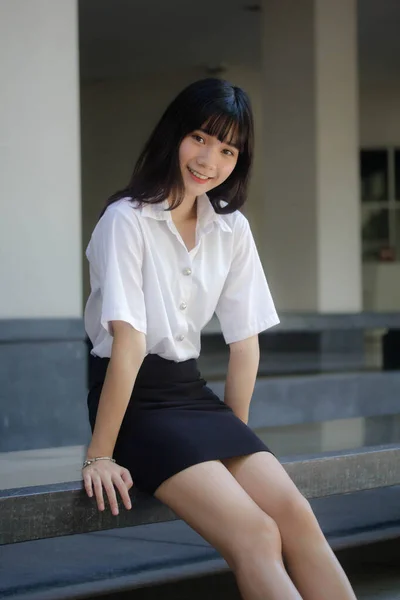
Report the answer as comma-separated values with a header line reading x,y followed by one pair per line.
x,y
257,542
296,514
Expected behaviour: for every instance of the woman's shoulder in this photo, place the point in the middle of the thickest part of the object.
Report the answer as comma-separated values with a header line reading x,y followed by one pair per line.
x,y
124,207
120,214
236,221
119,221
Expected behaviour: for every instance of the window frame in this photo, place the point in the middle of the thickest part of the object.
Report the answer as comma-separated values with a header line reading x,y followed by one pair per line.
x,y
391,204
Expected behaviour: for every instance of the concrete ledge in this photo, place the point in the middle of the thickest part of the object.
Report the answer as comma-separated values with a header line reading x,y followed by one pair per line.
x,y
312,342
36,355
43,376
303,322
94,564
345,472
280,401
64,509
28,330
14,330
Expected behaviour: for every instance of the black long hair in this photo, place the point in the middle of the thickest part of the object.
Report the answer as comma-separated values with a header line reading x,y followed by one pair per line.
x,y
218,108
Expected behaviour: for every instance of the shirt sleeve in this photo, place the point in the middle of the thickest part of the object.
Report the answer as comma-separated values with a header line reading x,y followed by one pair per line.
x,y
245,307
116,251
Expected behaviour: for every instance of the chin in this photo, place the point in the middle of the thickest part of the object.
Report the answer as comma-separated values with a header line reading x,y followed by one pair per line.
x,y
197,188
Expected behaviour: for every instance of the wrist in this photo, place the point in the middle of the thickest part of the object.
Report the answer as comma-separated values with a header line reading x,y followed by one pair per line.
x,y
95,452
90,461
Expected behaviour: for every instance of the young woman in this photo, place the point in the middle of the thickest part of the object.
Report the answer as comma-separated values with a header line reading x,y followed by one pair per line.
x,y
169,251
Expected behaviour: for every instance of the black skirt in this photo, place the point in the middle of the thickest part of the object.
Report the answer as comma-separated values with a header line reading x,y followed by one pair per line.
x,y
173,421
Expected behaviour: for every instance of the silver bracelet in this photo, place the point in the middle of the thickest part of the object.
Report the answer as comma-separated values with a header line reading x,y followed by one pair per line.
x,y
89,461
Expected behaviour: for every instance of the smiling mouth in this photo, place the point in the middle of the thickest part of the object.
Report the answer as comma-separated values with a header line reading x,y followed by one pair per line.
x,y
198,175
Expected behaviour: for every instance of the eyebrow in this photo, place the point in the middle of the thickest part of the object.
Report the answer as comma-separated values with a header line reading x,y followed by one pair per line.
x,y
232,145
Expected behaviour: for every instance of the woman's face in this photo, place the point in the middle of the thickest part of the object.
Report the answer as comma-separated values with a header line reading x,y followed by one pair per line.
x,y
205,162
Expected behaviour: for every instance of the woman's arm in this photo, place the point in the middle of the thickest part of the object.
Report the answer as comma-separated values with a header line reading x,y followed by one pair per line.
x,y
241,377
127,355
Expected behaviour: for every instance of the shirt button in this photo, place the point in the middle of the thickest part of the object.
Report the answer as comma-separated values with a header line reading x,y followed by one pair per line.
x,y
183,305
180,338
187,271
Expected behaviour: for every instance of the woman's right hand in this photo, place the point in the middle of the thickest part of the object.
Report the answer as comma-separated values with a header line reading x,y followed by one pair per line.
x,y
108,475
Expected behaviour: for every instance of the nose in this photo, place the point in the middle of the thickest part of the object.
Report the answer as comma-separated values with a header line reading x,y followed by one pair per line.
x,y
207,160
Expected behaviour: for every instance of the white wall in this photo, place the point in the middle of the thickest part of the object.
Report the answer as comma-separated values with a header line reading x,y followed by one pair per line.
x,y
40,225
311,140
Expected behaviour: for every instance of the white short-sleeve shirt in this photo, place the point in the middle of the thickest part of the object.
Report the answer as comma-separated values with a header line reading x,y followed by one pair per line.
x,y
141,272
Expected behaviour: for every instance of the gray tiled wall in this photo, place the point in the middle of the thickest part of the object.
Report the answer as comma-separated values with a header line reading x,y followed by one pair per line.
x,y
42,384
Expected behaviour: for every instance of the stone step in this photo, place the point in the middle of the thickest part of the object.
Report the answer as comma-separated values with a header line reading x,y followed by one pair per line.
x,y
62,509
106,562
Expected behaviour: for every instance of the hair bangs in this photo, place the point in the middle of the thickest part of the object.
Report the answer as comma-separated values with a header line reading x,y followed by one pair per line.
x,y
228,128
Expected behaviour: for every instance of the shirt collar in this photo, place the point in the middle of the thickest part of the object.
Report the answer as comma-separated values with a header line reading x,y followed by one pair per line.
x,y
205,213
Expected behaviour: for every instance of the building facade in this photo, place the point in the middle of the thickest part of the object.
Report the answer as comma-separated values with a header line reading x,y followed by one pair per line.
x,y
83,84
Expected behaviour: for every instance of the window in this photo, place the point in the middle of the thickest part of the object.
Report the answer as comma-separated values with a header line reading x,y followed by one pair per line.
x,y
380,197
397,173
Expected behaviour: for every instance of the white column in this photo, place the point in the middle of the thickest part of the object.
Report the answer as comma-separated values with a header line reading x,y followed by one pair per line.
x,y
312,233
40,224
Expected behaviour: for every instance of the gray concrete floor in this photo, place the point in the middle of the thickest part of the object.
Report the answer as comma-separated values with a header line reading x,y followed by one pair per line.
x,y
82,566
223,587
374,572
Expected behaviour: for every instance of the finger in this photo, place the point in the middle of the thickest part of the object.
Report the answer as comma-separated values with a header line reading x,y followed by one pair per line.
x,y
112,498
123,490
98,490
126,478
87,482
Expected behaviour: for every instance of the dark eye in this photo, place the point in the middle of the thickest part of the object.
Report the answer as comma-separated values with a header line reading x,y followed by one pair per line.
x,y
228,152
198,138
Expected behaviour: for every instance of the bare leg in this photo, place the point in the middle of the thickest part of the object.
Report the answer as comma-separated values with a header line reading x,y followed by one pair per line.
x,y
212,502
311,563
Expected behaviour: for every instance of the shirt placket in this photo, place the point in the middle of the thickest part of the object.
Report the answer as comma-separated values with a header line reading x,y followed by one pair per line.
x,y
186,268
185,283
185,288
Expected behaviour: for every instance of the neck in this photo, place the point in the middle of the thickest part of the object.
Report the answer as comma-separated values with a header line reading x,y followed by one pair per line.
x,y
187,211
